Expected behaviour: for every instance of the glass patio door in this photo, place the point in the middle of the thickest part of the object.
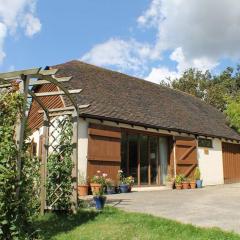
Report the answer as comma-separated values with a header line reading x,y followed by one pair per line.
x,y
144,162
141,155
154,165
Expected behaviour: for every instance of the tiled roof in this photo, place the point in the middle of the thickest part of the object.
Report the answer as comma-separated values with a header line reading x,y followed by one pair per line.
x,y
119,97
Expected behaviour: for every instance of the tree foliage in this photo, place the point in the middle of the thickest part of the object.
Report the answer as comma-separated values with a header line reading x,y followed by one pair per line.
x,y
16,212
213,89
233,113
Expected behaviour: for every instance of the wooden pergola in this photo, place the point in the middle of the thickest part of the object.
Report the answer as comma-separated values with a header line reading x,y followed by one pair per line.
x,y
27,79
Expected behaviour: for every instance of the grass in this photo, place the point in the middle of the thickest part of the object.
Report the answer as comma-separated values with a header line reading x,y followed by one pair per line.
x,y
116,224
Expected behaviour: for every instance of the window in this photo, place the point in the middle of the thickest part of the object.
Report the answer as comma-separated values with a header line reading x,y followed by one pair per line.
x,y
204,142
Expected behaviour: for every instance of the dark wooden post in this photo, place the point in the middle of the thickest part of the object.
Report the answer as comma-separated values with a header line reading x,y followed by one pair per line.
x,y
139,160
20,128
158,162
174,156
44,162
75,122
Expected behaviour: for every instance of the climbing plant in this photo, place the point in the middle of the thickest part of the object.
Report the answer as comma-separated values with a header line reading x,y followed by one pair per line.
x,y
16,210
60,165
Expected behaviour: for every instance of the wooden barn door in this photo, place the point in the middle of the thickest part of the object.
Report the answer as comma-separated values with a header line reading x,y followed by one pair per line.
x,y
104,151
186,156
231,162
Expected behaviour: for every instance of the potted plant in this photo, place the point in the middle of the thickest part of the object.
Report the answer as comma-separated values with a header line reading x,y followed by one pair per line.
x,y
110,186
98,182
178,181
185,183
130,182
82,185
99,199
192,184
197,176
123,183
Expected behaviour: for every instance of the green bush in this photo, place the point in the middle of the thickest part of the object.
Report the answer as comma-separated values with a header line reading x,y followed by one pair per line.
x,y
16,210
197,174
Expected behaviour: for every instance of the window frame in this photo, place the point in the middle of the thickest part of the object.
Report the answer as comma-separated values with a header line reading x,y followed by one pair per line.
x,y
201,143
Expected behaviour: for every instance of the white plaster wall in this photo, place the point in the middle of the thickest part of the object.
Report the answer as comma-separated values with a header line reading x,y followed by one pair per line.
x,y
211,164
82,146
35,137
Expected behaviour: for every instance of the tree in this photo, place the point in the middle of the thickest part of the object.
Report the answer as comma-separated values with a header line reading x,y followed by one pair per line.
x,y
194,82
213,90
233,113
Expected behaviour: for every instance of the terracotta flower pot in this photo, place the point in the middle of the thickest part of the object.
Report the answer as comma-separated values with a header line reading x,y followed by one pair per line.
x,y
185,185
83,190
178,186
95,187
193,184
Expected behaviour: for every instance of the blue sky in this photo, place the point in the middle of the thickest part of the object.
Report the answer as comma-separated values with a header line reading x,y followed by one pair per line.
x,y
152,39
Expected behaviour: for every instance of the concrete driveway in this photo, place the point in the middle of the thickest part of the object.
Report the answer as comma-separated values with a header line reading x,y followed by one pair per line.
x,y
215,206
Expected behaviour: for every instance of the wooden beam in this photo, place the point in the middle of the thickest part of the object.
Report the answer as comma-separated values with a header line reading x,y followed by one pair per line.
x,y
20,130
75,122
174,156
5,85
47,94
17,74
40,103
138,161
64,89
71,108
48,72
158,163
44,163
35,82
4,81
41,82
149,161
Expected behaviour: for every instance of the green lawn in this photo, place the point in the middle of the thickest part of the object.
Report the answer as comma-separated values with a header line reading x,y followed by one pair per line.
x,y
116,224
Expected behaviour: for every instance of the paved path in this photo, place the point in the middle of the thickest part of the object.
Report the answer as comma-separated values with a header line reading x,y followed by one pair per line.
x,y
216,206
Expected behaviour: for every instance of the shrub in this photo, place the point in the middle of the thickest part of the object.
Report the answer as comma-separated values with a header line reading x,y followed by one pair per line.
x,y
18,198
197,174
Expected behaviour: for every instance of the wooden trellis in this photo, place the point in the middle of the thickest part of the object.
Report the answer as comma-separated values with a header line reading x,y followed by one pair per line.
x,y
35,77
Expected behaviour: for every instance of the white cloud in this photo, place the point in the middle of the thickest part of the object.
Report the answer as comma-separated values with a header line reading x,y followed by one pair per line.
x,y
15,14
151,15
122,54
3,33
202,63
32,25
203,29
197,33
161,74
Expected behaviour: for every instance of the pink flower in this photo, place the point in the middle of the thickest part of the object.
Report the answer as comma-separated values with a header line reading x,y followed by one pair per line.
x,y
98,171
104,174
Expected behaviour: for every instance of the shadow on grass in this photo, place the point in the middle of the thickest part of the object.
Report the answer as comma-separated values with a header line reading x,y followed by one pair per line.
x,y
52,224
